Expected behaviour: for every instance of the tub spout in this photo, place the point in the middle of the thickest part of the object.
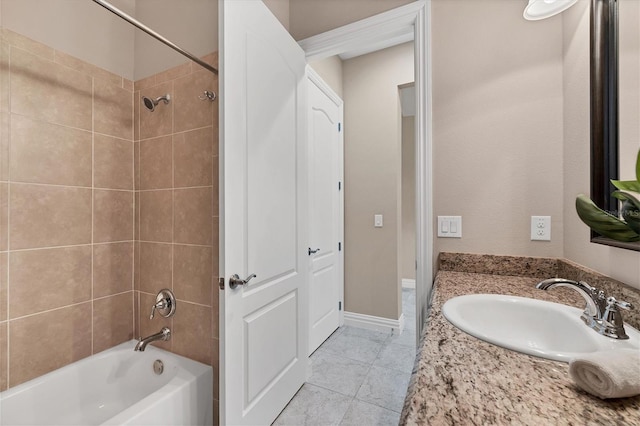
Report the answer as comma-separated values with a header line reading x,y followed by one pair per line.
x,y
165,334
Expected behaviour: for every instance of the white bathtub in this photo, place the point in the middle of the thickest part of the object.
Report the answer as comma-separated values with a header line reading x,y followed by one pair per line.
x,y
115,387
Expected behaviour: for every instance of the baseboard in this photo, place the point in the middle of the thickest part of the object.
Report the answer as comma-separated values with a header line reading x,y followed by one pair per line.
x,y
374,323
407,283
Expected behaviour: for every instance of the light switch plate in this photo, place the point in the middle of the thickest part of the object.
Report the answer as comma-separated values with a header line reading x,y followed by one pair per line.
x,y
377,221
450,226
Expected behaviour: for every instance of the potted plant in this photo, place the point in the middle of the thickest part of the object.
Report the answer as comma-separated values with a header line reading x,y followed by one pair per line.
x,y
624,226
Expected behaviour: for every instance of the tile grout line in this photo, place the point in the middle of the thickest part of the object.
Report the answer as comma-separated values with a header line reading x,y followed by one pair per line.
x,y
136,201
52,310
93,178
173,194
71,246
8,276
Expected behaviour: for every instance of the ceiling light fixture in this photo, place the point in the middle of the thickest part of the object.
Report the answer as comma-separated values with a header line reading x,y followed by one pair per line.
x,y
541,9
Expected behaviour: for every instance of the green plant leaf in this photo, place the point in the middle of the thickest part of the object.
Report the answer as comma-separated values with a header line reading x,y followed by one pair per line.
x,y
631,214
626,196
626,185
602,222
630,210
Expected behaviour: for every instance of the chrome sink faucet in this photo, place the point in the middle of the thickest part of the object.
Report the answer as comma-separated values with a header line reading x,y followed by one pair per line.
x,y
601,313
164,335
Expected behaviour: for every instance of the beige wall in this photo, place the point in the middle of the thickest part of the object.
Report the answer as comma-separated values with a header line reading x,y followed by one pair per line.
x,y
280,8
191,24
330,69
620,264
66,209
372,179
80,28
311,17
497,126
408,247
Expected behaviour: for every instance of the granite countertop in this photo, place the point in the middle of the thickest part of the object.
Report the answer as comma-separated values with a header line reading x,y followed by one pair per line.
x,y
458,379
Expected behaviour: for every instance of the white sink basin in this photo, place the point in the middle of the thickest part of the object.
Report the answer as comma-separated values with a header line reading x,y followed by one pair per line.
x,y
534,327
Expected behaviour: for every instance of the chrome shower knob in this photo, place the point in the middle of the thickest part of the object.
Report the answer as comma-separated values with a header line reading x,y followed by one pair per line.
x,y
165,304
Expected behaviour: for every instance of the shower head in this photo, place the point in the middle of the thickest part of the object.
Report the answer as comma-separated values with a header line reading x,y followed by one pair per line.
x,y
150,104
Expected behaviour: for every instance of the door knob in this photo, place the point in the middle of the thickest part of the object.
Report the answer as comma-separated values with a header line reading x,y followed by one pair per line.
x,y
311,251
235,280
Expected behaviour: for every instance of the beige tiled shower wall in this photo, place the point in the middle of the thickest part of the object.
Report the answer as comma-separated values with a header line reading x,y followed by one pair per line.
x,y
66,209
176,190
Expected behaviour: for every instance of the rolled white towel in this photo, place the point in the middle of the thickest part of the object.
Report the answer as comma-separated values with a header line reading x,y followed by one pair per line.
x,y
608,374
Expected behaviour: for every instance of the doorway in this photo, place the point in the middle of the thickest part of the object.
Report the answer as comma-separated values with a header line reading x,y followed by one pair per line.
x,y
410,22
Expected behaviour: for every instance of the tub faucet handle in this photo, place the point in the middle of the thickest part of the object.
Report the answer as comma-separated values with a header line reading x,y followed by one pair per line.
x,y
159,305
165,304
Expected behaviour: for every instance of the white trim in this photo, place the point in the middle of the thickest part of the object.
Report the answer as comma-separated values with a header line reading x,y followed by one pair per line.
x,y
415,17
395,23
370,322
316,79
424,164
408,283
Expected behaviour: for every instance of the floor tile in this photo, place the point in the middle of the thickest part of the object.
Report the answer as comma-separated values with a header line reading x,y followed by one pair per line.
x,y
314,405
354,347
385,388
406,338
396,357
410,325
337,373
342,366
375,336
361,413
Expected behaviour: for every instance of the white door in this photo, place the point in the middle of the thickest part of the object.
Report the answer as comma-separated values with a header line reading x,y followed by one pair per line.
x,y
325,211
264,323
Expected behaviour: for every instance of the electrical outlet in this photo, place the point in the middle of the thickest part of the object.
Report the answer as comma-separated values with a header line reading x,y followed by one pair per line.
x,y
541,228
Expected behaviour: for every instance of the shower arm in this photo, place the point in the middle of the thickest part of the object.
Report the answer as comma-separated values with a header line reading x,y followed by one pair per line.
x,y
154,34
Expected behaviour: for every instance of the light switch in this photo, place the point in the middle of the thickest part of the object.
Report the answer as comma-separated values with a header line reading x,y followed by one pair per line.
x,y
377,221
450,226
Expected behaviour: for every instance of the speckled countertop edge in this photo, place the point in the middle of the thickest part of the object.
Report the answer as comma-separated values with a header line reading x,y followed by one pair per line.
x,y
458,379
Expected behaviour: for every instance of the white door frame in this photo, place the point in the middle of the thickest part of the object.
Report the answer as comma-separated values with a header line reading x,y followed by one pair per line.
x,y
397,24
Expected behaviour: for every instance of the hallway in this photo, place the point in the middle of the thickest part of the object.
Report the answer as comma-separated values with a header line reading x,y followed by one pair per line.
x,y
359,377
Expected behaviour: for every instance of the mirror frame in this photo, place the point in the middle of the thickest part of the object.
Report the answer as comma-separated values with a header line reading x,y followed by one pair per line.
x,y
604,112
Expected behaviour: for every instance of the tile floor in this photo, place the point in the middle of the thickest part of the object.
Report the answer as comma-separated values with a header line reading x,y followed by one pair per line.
x,y
359,377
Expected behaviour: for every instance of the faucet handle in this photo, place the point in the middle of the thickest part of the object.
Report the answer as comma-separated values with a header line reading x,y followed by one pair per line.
x,y
612,324
165,304
159,305
611,301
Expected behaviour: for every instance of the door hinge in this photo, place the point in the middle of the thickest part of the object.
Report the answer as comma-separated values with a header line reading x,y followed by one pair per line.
x,y
339,246
339,186
221,283
340,305
339,127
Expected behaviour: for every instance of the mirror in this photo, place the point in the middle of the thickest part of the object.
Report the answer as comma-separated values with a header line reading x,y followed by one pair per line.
x,y
615,100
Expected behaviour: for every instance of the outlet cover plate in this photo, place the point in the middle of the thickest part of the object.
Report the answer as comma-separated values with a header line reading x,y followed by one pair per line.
x,y
540,228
